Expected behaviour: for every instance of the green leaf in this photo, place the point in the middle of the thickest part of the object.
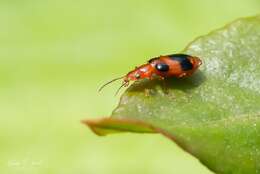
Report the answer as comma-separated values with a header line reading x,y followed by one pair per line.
x,y
215,114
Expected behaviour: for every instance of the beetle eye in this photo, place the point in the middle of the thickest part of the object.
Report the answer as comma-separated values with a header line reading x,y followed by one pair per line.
x,y
137,75
162,67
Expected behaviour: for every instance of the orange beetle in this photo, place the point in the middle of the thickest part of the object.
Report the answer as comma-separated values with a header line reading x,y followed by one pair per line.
x,y
174,65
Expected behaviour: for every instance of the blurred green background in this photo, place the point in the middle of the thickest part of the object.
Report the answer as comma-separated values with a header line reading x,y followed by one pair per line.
x,y
55,54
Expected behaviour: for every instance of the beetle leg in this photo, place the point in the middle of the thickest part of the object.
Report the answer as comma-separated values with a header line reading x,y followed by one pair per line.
x,y
161,78
164,87
182,75
147,92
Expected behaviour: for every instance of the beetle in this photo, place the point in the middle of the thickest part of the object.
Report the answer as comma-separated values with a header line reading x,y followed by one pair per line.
x,y
173,65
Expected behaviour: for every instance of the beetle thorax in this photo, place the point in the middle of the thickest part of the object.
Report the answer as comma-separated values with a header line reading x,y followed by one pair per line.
x,y
141,72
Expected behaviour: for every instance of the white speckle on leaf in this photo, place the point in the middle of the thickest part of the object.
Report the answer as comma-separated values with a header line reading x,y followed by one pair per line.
x,y
214,66
195,48
246,80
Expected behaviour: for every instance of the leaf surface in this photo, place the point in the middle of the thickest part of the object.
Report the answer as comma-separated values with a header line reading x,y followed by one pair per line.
x,y
214,114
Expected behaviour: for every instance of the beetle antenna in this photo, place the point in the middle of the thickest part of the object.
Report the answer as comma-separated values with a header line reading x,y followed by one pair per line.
x,y
109,83
124,84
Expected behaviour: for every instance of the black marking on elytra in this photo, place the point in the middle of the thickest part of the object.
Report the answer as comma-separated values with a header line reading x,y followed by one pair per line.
x,y
183,60
162,67
152,59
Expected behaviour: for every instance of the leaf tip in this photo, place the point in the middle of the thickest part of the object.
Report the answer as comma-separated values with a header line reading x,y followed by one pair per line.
x,y
104,126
